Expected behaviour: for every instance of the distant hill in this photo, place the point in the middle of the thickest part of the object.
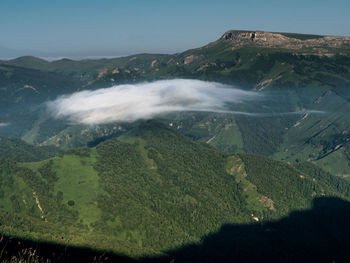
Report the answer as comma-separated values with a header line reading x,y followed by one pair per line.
x,y
235,57
303,72
151,190
18,150
11,53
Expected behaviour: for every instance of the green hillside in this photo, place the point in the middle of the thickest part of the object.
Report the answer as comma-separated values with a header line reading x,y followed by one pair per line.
x,y
18,150
300,71
306,71
149,191
319,234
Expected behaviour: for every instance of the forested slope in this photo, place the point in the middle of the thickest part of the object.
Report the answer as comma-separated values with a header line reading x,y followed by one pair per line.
x,y
151,190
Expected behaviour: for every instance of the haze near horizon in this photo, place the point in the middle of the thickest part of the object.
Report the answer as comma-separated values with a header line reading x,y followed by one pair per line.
x,y
116,28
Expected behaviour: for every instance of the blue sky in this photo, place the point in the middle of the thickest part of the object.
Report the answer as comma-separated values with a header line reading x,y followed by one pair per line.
x,y
107,27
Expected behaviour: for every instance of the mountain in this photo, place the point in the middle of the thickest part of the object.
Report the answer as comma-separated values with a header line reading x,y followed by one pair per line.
x,y
246,57
299,72
151,190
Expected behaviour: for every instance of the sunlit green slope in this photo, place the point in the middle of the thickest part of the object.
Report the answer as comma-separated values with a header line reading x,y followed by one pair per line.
x,y
151,190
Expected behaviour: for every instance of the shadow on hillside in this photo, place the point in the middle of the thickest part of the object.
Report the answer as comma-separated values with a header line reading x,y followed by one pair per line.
x,y
19,250
321,234
98,140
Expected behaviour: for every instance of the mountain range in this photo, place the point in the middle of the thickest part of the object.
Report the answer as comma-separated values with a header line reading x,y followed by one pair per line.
x,y
165,189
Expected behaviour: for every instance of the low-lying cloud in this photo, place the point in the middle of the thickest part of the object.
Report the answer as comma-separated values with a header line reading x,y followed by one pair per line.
x,y
3,124
132,102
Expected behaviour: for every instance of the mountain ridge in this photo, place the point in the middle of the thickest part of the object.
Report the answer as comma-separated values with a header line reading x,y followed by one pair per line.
x,y
150,192
244,35
315,79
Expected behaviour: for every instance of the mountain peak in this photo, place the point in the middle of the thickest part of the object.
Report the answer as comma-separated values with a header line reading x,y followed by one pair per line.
x,y
263,35
283,40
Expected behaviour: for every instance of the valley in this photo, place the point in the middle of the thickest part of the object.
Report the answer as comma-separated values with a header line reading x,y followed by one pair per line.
x,y
183,183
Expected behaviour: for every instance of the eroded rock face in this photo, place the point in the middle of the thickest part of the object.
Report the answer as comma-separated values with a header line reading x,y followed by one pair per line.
x,y
287,41
190,59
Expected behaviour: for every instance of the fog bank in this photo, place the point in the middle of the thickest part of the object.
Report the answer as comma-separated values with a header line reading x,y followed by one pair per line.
x,y
132,102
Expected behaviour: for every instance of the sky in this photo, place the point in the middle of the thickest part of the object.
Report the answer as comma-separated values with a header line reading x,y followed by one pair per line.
x,y
123,27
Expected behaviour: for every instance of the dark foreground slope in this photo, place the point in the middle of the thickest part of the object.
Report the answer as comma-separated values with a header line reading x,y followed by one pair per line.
x,y
321,234
152,191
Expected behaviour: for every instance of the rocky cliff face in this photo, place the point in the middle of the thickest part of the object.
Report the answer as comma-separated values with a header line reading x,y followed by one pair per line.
x,y
313,43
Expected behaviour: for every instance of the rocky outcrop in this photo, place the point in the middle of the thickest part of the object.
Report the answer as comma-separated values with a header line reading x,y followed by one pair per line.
x,y
102,72
315,44
191,58
153,63
115,71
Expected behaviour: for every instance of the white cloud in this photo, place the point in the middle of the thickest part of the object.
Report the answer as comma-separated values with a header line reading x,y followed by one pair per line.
x,y
3,124
147,100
